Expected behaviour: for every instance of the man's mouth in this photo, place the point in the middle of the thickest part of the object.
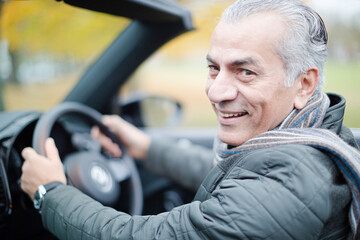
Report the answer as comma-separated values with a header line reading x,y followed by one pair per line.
x,y
231,115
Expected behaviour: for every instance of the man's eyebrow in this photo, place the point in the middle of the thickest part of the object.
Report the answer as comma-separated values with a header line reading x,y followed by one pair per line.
x,y
245,61
209,59
237,63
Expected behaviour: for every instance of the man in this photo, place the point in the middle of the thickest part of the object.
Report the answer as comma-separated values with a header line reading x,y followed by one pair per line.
x,y
280,171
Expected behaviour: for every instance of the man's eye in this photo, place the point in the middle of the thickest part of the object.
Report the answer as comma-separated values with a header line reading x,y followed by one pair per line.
x,y
213,68
244,72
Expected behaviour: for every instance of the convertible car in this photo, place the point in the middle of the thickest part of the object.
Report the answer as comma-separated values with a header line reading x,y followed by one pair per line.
x,y
119,183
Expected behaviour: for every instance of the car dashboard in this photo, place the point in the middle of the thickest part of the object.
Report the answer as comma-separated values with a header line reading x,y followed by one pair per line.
x,y
16,209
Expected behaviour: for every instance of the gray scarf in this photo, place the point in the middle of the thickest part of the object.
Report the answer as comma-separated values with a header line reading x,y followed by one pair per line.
x,y
303,127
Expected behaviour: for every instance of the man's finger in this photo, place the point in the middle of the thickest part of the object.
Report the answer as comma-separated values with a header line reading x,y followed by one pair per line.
x,y
106,143
95,132
112,122
51,151
110,146
28,153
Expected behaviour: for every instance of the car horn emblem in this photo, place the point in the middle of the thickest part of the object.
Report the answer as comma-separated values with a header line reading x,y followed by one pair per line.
x,y
101,177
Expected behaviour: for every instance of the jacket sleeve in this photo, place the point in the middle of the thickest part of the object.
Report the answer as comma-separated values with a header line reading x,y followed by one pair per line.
x,y
282,197
181,161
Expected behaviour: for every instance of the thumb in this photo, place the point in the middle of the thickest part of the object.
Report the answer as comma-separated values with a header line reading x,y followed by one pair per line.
x,y
51,151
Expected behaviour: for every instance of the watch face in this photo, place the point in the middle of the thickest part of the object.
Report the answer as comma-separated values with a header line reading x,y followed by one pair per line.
x,y
38,197
37,201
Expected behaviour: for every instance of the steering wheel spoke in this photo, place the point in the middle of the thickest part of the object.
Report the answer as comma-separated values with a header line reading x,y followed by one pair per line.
x,y
120,169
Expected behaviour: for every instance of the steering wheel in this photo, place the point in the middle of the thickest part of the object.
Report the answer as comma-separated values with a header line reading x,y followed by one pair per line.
x,y
90,171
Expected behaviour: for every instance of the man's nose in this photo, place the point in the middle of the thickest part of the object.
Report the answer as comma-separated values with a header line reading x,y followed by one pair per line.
x,y
221,88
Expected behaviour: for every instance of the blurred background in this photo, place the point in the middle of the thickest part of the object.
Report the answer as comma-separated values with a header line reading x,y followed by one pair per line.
x,y
45,46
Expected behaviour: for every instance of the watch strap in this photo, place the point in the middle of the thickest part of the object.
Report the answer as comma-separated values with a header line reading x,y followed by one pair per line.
x,y
51,185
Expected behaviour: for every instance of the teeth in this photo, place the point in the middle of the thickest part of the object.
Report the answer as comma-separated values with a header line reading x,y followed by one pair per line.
x,y
227,115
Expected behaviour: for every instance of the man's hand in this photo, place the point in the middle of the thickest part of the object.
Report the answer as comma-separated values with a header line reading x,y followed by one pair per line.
x,y
136,142
39,170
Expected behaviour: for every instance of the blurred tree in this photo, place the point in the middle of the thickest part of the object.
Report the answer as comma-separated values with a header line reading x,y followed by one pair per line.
x,y
26,22
57,29
1,80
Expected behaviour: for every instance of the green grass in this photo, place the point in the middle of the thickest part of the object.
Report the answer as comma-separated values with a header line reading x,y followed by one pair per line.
x,y
184,83
344,79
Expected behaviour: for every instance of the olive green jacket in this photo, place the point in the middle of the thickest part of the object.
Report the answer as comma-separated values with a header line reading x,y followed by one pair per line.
x,y
285,192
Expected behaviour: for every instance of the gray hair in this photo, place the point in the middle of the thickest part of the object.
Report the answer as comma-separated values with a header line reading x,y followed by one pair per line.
x,y
304,44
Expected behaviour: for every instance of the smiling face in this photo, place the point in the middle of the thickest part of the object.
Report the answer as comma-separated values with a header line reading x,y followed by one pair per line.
x,y
246,78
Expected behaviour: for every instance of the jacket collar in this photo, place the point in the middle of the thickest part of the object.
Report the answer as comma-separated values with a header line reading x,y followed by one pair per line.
x,y
335,114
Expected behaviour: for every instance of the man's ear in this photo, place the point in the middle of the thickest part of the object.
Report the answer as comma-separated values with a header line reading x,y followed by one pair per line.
x,y
306,85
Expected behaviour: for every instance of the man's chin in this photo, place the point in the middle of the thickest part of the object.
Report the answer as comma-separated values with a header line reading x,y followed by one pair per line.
x,y
231,138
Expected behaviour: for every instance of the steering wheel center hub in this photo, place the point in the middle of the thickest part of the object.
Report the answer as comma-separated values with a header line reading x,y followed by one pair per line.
x,y
101,177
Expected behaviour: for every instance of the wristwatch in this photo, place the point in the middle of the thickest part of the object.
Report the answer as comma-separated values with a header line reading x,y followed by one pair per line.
x,y
42,190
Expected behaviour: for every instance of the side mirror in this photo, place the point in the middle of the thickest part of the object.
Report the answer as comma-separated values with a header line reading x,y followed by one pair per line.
x,y
144,110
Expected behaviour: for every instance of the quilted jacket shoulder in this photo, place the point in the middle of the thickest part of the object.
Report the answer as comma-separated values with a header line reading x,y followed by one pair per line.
x,y
284,189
